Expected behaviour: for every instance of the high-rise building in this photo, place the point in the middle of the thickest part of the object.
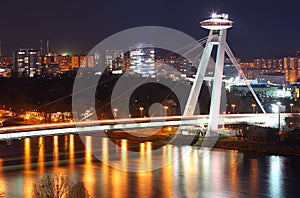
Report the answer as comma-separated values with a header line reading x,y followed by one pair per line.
x,y
26,62
142,59
290,65
111,59
50,59
78,61
64,62
229,68
114,59
261,66
126,62
249,70
75,62
277,65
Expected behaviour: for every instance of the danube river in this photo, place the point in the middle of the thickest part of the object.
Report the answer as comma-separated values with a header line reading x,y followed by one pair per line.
x,y
197,172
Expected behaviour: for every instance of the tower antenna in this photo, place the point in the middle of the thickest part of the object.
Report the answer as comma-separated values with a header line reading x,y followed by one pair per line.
x,y
41,47
47,47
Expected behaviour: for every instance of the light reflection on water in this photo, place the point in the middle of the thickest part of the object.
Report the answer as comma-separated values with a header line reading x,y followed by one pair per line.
x,y
27,154
41,155
55,151
88,176
275,177
26,182
71,153
215,173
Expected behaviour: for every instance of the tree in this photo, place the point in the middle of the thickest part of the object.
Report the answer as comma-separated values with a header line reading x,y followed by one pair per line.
x,y
58,186
2,194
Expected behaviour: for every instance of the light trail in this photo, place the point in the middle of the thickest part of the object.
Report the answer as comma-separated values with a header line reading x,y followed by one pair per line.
x,y
266,120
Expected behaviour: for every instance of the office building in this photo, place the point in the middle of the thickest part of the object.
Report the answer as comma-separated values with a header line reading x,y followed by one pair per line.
x,y
142,59
26,62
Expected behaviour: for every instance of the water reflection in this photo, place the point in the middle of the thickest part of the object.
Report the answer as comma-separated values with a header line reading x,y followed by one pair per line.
x,y
3,187
27,182
216,174
88,178
145,156
253,175
233,172
27,155
105,187
275,176
119,183
188,169
145,177
66,142
71,151
167,171
124,154
55,151
41,155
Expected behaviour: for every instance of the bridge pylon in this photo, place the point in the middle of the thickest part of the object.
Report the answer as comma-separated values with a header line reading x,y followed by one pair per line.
x,y
218,25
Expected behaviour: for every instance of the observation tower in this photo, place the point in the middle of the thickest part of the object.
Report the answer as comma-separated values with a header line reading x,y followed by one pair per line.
x,y
218,25
217,22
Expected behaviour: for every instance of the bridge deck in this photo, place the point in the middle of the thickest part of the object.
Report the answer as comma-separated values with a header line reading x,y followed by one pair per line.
x,y
268,120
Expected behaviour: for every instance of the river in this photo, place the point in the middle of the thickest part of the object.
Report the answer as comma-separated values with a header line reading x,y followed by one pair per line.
x,y
189,171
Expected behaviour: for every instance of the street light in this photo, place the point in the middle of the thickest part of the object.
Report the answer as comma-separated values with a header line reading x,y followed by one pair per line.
x,y
115,112
141,109
166,108
253,107
276,109
291,105
233,107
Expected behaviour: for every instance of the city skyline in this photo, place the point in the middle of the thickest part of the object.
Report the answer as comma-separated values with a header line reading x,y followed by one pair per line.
x,y
149,105
260,29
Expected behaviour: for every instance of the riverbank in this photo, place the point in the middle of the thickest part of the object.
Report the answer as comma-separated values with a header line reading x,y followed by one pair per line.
x,y
227,143
232,143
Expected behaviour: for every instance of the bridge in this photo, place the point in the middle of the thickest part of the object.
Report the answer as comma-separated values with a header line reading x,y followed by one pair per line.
x,y
19,132
218,26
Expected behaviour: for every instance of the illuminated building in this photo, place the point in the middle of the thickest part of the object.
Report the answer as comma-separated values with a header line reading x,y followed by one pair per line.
x,y
126,62
50,59
5,61
261,66
230,70
90,61
290,65
249,70
26,62
75,62
272,78
6,64
114,59
142,59
111,59
64,62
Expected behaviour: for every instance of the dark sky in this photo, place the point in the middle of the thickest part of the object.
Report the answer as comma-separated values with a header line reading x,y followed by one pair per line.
x,y
262,28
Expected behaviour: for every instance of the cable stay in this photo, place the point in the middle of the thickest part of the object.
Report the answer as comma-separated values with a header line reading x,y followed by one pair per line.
x,y
240,71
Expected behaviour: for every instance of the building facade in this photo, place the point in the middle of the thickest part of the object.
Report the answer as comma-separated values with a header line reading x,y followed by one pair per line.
x,y
26,62
142,59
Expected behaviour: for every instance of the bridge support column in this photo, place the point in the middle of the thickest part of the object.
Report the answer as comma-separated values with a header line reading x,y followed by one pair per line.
x,y
218,26
196,88
215,103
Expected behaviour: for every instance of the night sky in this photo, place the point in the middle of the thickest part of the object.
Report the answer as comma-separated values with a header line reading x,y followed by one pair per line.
x,y
269,28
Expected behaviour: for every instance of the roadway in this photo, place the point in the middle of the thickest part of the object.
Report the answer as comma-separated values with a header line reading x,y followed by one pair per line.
x,y
15,132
